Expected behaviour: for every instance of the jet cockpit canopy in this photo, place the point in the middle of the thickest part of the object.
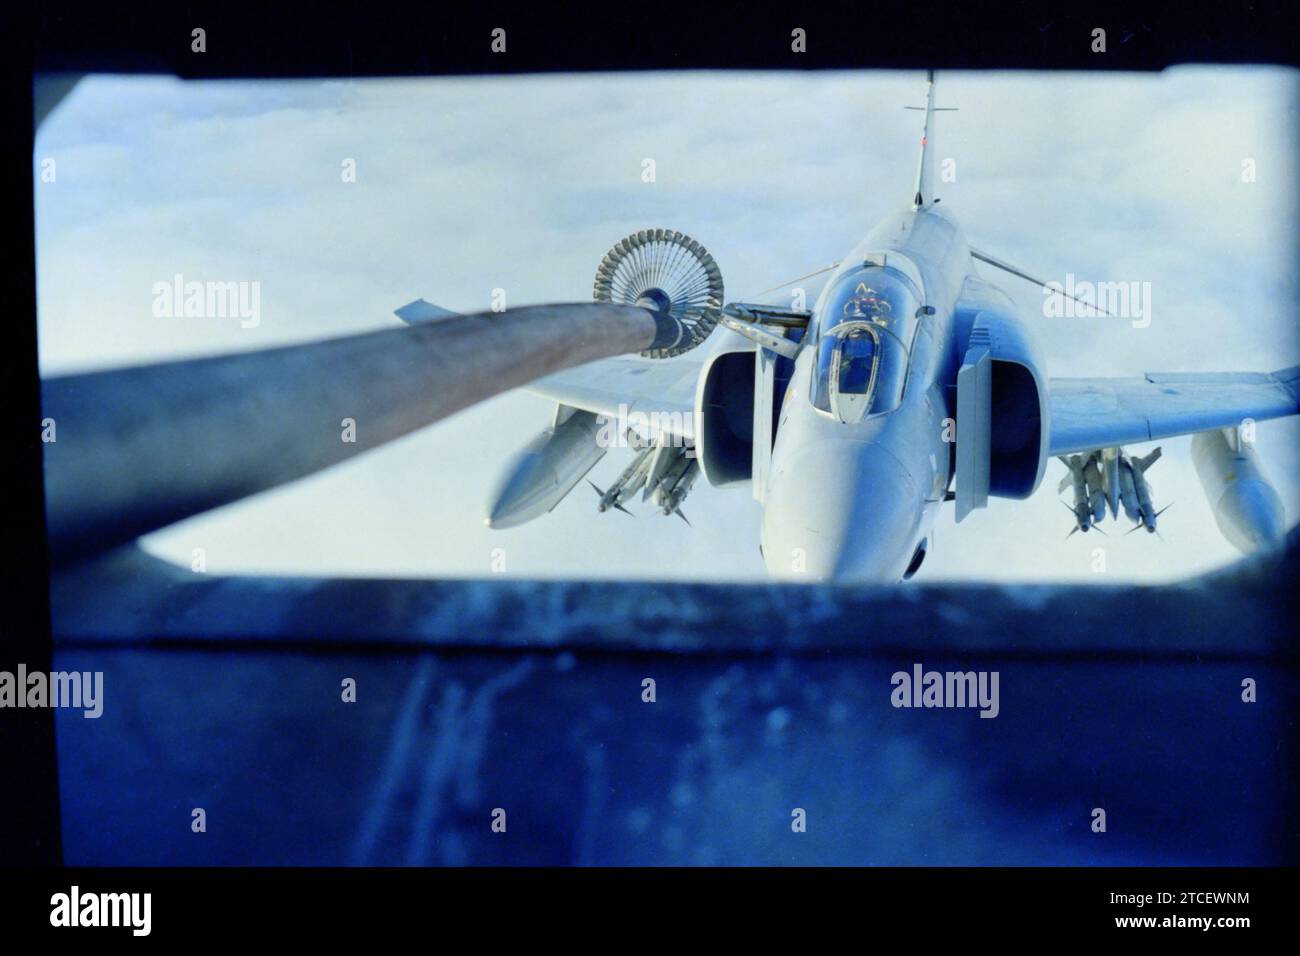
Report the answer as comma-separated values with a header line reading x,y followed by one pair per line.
x,y
864,336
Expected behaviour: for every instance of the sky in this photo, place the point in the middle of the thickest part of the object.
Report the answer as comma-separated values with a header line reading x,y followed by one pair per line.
x,y
466,185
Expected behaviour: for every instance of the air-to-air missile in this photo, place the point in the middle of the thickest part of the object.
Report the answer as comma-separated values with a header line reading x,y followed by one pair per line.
x,y
675,485
628,483
1096,492
1110,479
1085,478
1135,493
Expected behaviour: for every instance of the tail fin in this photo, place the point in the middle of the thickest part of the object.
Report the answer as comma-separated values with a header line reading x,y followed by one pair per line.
x,y
925,178
1148,461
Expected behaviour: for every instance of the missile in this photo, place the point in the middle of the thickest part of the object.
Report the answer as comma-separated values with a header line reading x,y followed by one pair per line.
x,y
671,496
636,442
1143,491
1127,491
1096,493
1138,466
546,470
1078,482
1135,492
608,499
1246,506
671,475
1110,464
663,459
635,475
628,483
1102,481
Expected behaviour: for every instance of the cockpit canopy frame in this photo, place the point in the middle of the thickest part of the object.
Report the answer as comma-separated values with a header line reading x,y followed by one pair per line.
x,y
865,330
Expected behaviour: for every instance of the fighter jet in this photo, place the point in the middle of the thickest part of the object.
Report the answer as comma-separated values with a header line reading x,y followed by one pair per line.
x,y
841,416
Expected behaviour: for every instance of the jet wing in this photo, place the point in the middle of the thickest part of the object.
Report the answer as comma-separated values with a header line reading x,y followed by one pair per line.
x,y
1090,413
621,386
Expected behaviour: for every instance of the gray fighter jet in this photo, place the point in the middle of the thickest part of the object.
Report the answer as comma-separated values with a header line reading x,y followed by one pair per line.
x,y
910,382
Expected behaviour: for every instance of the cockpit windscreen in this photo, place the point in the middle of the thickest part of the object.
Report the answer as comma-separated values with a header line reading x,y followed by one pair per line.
x,y
864,335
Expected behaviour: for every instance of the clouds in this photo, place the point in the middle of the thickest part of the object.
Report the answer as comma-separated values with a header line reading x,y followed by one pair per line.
x,y
522,183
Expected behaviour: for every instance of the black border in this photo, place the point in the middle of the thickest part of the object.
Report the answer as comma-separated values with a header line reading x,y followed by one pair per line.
x,y
376,39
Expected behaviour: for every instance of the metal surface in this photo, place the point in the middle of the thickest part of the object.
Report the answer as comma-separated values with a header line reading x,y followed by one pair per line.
x,y
474,696
141,448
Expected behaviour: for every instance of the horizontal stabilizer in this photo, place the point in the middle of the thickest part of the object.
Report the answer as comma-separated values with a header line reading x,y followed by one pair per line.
x,y
419,311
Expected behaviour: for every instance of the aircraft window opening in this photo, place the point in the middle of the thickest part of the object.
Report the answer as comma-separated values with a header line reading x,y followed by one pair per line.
x,y
857,361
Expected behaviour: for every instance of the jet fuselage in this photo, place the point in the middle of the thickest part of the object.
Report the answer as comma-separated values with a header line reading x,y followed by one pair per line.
x,y
857,500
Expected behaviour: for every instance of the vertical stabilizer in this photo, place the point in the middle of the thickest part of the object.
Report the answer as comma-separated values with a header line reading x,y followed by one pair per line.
x,y
926,180
925,167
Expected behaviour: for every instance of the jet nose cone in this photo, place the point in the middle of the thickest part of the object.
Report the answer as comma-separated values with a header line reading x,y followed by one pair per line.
x,y
842,511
